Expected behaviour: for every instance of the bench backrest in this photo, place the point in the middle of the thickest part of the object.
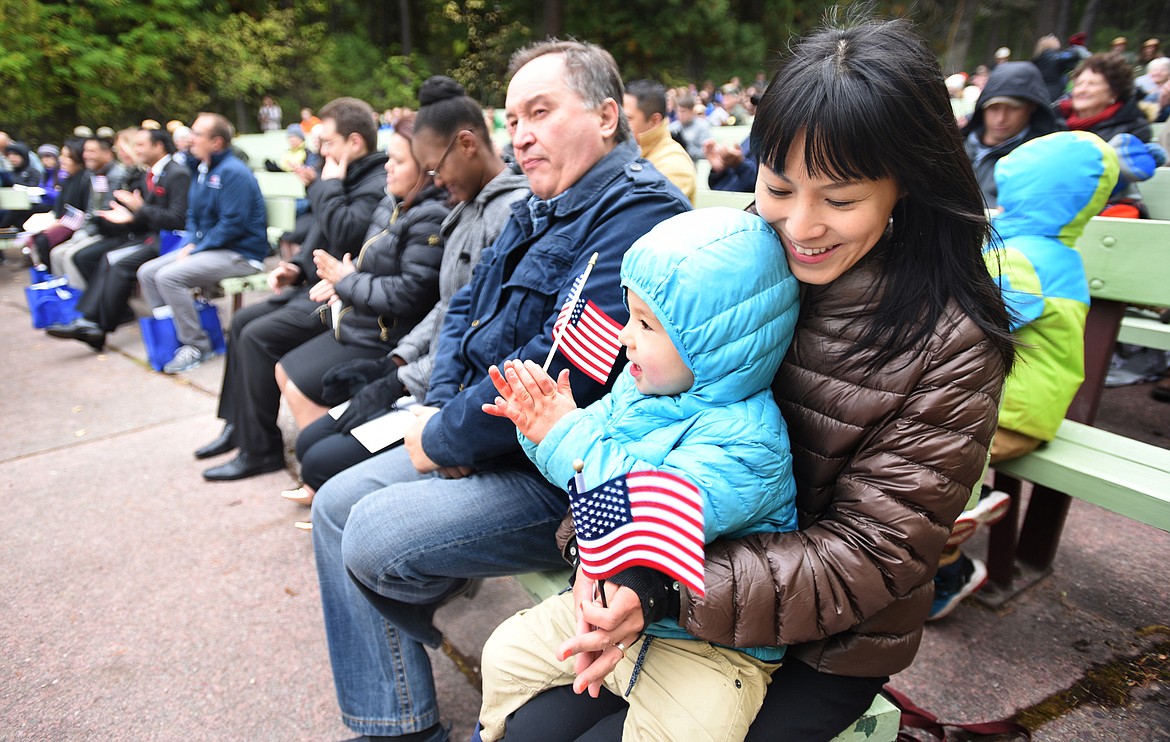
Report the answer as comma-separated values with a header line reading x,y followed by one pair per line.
x,y
280,185
260,147
15,199
1127,261
706,198
1156,193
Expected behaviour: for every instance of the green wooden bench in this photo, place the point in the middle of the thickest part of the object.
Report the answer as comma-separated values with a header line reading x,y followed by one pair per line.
x,y
280,185
706,198
1127,261
14,199
1138,328
878,724
269,145
1156,193
282,217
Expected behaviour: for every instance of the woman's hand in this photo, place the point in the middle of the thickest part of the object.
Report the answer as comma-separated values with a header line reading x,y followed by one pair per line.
x,y
332,269
600,630
530,398
323,291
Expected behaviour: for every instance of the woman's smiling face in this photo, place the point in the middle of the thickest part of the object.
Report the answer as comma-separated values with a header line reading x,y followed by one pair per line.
x,y
827,225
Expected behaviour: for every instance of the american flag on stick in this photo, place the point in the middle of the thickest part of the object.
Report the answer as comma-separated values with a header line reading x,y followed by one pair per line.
x,y
647,518
101,184
586,335
73,218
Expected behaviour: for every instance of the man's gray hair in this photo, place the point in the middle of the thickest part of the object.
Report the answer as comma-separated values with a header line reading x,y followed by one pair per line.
x,y
1163,62
592,74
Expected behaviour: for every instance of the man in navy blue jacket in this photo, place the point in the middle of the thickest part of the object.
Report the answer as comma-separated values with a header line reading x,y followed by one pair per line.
x,y
227,235
405,531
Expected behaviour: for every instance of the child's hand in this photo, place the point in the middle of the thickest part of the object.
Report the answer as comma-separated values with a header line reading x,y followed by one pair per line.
x,y
530,398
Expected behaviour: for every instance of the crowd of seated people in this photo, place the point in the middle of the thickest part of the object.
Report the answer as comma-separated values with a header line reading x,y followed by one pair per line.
x,y
415,270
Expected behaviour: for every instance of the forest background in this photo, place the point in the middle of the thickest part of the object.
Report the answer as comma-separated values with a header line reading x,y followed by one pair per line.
x,y
115,62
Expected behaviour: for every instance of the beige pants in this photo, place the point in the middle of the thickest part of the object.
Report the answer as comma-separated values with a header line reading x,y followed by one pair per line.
x,y
1008,445
687,689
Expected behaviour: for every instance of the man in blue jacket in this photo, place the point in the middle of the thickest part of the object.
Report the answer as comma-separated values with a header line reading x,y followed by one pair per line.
x,y
227,235
407,530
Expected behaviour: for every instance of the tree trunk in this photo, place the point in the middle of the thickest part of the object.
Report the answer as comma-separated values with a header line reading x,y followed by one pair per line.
x,y
959,39
1062,14
242,126
1088,18
404,25
554,21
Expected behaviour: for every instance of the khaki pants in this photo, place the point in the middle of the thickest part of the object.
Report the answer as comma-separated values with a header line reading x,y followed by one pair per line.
x,y
1008,445
687,689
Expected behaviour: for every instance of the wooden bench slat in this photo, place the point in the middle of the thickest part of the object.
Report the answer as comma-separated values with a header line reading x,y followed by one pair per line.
x,y
1148,333
1085,465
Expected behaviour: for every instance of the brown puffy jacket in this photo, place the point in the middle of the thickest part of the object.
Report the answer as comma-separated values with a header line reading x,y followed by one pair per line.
x,y
884,463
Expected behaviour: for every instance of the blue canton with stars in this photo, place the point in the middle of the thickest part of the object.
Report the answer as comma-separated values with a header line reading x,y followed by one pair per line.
x,y
599,512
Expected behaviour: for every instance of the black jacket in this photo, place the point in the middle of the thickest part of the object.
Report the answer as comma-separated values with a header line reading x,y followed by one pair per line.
x,y
342,211
397,281
75,192
1017,80
25,174
165,204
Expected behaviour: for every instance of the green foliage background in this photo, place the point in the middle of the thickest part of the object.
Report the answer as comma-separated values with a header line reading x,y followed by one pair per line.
x,y
115,62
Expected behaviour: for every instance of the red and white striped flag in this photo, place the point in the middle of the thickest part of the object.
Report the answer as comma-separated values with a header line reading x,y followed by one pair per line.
x,y
73,218
647,518
586,335
101,184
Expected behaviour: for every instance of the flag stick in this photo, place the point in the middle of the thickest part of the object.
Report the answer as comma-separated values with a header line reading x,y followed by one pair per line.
x,y
572,302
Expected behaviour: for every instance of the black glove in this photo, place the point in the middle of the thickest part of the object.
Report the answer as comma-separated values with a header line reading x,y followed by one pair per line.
x,y
372,400
272,167
344,380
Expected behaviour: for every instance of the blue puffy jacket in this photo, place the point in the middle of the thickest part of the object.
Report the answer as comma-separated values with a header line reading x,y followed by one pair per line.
x,y
718,281
518,288
225,209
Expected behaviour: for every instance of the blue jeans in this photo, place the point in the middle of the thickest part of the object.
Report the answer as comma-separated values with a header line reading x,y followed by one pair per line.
x,y
411,540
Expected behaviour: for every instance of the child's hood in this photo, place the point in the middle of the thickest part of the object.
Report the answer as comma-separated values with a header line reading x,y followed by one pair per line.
x,y
718,280
1053,185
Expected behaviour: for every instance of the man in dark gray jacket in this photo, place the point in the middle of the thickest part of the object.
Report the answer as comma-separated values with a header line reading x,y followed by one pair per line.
x,y
351,185
1012,109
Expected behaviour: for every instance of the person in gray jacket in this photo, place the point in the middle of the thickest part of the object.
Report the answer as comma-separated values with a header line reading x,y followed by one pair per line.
x,y
1012,109
450,134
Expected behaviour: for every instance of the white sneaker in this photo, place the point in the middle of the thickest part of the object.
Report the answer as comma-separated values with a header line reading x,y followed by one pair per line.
x,y
993,505
186,358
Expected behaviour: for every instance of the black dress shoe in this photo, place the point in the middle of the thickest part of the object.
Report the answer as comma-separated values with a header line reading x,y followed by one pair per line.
x,y
222,444
91,335
245,465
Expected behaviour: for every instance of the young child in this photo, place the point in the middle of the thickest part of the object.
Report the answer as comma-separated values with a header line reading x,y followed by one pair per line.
x,y
1049,188
712,312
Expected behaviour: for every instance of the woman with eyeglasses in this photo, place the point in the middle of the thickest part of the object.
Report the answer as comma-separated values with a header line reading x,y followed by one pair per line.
x,y
453,146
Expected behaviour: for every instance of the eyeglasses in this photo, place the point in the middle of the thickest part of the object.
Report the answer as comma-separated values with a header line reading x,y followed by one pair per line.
x,y
435,170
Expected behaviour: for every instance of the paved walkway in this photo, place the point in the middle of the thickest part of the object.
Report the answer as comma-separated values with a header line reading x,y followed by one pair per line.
x,y
140,602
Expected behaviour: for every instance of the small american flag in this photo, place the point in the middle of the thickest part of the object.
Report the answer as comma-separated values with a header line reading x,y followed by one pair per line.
x,y
587,336
101,184
73,218
647,518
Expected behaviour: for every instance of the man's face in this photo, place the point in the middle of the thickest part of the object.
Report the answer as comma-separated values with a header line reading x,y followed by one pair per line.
x,y
638,121
96,157
1002,121
331,144
15,159
1160,73
145,149
203,145
556,138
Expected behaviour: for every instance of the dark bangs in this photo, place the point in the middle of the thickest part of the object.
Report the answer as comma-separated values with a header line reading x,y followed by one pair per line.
x,y
833,109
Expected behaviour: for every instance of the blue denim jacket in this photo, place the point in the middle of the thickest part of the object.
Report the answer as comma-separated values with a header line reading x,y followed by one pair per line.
x,y
517,290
